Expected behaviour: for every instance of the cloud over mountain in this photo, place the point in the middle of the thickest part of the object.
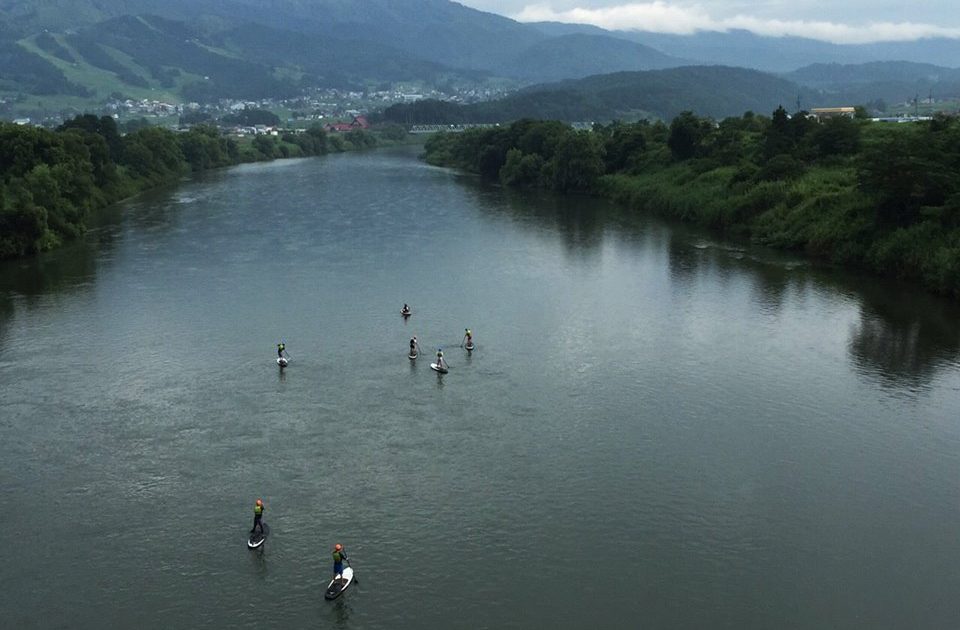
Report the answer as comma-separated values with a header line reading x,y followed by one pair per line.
x,y
684,19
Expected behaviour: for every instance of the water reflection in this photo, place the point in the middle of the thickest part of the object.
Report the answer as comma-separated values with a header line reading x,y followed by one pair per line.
x,y
65,269
75,266
342,610
24,282
904,336
579,221
6,315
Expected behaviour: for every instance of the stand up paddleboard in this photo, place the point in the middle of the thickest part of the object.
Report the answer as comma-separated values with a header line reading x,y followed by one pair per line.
x,y
338,585
282,362
413,355
438,368
405,313
257,539
470,347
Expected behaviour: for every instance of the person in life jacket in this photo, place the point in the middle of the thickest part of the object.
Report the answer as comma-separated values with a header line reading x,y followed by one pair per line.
x,y
467,337
413,345
405,310
440,362
280,349
339,555
257,516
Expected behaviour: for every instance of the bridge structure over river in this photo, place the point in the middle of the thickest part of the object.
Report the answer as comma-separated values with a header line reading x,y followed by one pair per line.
x,y
450,128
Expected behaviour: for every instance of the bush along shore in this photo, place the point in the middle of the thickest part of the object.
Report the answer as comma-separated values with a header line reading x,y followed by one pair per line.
x,y
51,181
877,196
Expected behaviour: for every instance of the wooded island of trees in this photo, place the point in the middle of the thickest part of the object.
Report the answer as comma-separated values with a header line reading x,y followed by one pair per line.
x,y
884,197
50,181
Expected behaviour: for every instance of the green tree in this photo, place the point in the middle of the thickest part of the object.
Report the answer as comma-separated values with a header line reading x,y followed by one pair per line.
x,y
779,137
578,162
903,176
624,146
266,146
104,126
837,136
687,135
520,169
251,116
395,133
153,155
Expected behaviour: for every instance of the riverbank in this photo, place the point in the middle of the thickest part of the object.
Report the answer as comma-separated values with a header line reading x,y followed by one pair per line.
x,y
883,198
52,181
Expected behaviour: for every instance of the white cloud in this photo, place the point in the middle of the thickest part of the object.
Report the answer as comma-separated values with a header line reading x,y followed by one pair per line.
x,y
663,17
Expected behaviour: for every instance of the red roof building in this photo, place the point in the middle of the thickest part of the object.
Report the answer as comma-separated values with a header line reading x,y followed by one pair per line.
x,y
358,122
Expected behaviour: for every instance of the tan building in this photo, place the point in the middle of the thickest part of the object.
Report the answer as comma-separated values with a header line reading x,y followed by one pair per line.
x,y
822,113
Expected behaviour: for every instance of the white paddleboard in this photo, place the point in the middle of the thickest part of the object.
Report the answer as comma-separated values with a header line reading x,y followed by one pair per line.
x,y
405,313
470,347
413,355
257,539
438,368
282,362
337,586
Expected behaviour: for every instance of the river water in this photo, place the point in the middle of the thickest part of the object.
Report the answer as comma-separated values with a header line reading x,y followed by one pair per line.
x,y
658,429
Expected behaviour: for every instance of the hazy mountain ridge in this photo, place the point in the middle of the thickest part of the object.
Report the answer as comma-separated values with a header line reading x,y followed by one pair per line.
x,y
889,82
827,74
773,54
716,91
581,55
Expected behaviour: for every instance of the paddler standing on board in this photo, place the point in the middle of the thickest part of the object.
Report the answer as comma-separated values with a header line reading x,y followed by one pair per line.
x,y
339,555
258,516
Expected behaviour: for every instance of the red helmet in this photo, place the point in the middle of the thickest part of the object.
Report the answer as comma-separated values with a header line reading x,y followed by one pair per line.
x,y
337,547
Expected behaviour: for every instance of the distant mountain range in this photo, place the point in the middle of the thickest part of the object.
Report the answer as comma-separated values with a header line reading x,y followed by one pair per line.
x,y
773,54
206,49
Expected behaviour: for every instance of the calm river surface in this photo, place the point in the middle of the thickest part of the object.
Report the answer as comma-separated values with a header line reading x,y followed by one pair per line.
x,y
657,430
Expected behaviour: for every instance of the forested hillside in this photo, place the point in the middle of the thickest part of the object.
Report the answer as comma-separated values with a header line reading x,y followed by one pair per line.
x,y
715,91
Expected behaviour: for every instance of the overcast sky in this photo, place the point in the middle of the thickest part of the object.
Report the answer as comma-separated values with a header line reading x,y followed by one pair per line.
x,y
841,21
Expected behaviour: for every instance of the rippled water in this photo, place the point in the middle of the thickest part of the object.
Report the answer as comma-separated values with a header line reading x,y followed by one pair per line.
x,y
658,428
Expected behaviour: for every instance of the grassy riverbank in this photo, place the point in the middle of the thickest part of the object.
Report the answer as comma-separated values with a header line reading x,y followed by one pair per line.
x,y
885,198
51,181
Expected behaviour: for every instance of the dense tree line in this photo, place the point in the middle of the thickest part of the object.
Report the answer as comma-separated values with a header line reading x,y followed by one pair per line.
x,y
50,181
884,197
251,116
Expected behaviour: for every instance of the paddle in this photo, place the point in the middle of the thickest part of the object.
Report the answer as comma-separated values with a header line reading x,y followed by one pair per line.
x,y
350,564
